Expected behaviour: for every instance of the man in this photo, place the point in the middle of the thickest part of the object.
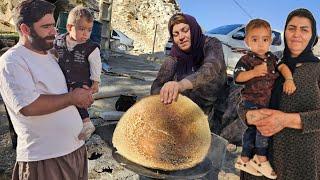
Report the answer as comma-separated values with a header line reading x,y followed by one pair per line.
x,y
42,111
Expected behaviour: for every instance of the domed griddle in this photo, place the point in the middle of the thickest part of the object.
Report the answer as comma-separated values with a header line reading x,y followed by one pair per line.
x,y
165,137
198,171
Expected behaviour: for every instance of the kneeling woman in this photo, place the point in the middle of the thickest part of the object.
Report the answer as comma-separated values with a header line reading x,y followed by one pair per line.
x,y
195,67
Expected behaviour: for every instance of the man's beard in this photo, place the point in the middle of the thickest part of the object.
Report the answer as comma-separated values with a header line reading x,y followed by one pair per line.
x,y
40,43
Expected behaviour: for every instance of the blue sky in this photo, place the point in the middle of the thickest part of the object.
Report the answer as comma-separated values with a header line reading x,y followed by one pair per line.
x,y
214,13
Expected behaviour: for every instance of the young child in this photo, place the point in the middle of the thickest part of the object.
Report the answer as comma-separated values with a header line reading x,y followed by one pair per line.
x,y
79,58
257,72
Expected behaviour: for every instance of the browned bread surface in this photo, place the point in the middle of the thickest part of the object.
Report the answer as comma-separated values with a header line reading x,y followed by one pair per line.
x,y
166,137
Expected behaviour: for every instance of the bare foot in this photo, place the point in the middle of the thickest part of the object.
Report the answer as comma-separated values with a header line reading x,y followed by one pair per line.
x,y
245,159
262,158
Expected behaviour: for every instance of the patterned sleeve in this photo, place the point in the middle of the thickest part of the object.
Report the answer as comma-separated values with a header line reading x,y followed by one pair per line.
x,y
241,66
165,74
310,119
213,67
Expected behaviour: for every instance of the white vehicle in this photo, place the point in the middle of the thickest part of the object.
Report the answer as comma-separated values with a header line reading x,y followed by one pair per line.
x,y
120,41
232,39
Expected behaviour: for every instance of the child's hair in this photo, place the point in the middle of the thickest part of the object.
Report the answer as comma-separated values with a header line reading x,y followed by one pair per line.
x,y
78,13
257,23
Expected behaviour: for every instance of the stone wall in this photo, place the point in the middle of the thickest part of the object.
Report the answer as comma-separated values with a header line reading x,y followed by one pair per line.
x,y
6,8
138,19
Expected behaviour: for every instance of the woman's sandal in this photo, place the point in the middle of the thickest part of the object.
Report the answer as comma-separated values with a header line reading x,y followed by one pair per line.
x,y
246,167
264,168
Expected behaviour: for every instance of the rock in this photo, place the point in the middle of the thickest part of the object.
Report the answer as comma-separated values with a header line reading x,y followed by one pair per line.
x,y
138,18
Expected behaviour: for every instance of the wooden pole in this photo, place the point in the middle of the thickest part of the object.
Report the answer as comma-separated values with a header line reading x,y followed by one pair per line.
x,y
105,8
154,38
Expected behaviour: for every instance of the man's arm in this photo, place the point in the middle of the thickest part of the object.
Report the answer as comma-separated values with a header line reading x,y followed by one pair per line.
x,y
46,104
19,92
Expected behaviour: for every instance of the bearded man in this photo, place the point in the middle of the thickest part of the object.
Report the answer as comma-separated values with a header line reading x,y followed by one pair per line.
x,y
42,111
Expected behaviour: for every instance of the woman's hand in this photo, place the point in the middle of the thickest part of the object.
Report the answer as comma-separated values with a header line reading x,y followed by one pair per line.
x,y
254,115
169,92
272,121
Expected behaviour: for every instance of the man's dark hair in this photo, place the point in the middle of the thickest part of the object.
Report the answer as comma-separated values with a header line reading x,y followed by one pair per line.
x,y
31,11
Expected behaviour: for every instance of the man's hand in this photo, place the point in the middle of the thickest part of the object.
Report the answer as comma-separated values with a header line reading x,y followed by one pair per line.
x,y
81,97
260,70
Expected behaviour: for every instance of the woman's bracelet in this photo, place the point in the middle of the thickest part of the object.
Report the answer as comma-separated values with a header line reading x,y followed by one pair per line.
x,y
289,79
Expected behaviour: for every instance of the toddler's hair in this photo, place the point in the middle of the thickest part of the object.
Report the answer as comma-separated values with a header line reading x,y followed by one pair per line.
x,y
78,13
257,23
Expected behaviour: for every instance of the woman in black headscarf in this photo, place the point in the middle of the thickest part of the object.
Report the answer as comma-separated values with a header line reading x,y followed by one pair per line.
x,y
295,127
195,67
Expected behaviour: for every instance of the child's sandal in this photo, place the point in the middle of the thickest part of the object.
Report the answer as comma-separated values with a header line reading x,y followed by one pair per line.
x,y
264,168
246,167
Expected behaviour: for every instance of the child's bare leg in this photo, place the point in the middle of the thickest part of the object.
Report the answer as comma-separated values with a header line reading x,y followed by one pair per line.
x,y
245,159
87,130
262,158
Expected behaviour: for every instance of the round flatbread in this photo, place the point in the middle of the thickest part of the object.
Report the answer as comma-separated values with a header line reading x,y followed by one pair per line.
x,y
167,137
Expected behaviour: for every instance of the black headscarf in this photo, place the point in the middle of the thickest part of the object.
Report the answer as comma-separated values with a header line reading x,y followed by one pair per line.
x,y
306,56
192,60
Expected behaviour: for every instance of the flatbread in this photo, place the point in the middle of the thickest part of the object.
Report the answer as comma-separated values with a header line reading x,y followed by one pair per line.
x,y
166,137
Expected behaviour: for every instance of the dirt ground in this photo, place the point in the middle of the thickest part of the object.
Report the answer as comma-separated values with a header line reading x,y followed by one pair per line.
x,y
7,154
